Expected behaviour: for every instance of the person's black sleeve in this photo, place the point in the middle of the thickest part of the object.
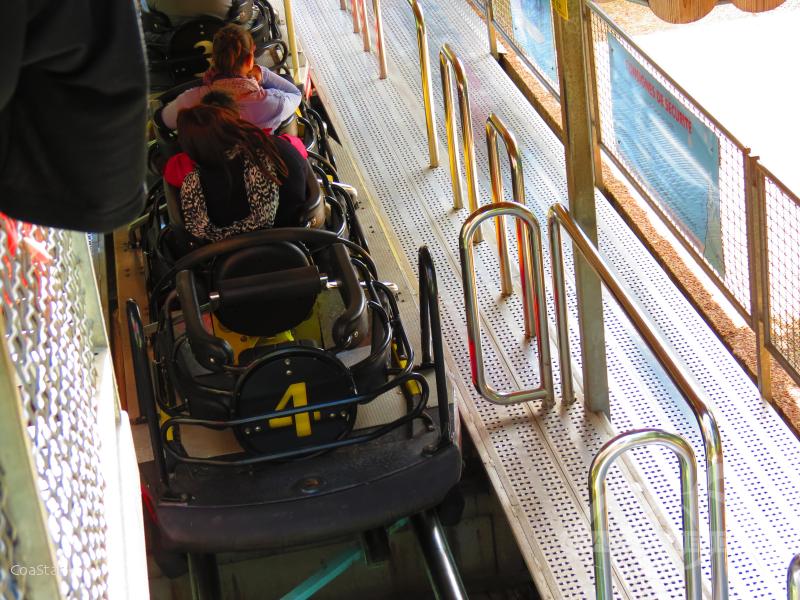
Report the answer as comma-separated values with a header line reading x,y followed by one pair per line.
x,y
73,99
299,191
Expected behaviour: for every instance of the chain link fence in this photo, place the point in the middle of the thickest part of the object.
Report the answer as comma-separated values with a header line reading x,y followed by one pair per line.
x,y
730,271
48,339
527,26
783,271
521,21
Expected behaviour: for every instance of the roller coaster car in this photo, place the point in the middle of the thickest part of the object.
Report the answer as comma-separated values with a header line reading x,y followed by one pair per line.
x,y
179,53
288,401
162,235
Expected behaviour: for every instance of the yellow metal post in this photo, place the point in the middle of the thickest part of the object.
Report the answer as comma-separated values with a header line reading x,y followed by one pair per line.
x,y
288,15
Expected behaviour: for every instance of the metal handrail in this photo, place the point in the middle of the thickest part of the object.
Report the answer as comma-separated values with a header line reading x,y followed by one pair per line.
x,y
558,218
376,7
534,301
793,579
427,86
361,14
431,339
495,126
362,7
602,462
356,19
448,60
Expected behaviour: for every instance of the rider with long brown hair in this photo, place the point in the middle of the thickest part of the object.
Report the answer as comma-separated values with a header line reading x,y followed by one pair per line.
x,y
244,179
264,98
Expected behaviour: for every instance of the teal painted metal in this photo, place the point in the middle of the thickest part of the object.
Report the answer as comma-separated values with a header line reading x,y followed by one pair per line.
x,y
337,565
326,574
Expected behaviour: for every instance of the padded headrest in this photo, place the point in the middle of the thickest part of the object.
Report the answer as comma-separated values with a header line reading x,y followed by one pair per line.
x,y
266,289
191,37
154,21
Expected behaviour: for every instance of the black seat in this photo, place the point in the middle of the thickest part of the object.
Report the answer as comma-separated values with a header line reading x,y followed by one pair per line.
x,y
179,53
257,284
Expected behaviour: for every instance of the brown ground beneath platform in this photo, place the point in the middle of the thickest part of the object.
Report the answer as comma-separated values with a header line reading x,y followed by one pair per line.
x,y
637,19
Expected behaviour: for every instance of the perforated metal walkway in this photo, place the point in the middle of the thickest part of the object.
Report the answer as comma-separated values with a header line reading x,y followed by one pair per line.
x,y
539,459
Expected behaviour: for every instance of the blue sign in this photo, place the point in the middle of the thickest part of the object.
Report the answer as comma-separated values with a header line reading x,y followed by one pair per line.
x,y
669,149
533,32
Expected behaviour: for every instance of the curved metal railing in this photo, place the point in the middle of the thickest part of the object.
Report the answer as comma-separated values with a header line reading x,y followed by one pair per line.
x,y
494,127
361,25
427,86
559,218
364,25
449,61
602,462
793,579
534,302
354,4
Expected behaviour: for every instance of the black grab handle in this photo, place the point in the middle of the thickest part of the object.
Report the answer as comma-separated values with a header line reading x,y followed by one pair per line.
x,y
431,335
144,386
210,351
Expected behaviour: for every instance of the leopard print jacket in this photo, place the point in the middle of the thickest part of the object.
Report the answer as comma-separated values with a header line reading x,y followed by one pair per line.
x,y
262,196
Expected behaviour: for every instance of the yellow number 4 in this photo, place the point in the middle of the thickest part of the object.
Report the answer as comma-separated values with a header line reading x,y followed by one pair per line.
x,y
297,395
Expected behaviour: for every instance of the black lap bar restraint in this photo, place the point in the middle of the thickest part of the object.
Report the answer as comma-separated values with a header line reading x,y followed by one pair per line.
x,y
301,282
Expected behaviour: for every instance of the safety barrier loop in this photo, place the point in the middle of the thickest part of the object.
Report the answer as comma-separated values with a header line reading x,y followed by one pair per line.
x,y
361,25
292,41
376,7
495,126
559,218
427,86
362,8
793,579
610,451
534,303
356,17
447,61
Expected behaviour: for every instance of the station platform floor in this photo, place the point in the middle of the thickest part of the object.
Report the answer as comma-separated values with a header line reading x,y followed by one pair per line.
x,y
538,458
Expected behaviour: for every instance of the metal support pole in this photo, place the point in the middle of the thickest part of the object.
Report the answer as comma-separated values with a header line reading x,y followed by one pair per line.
x,y
447,61
439,563
793,579
292,41
534,301
490,29
582,155
204,577
610,451
356,18
376,7
495,126
365,25
758,271
427,86
680,375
